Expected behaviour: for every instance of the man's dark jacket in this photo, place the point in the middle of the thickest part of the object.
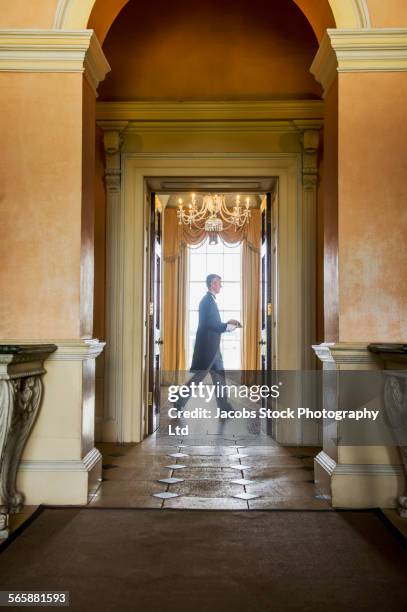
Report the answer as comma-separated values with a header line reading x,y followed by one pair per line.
x,y
210,327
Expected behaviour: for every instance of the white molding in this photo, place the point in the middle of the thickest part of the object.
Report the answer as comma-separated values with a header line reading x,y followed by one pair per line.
x,y
68,465
353,469
345,353
326,462
366,50
53,51
261,110
68,350
363,13
60,14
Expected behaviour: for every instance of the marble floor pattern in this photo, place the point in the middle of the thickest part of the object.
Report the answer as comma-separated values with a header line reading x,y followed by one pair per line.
x,y
208,472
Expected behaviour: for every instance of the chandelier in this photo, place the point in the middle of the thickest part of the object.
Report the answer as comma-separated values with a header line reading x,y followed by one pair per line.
x,y
213,215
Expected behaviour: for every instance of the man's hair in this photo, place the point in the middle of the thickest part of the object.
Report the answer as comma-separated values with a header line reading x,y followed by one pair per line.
x,y
210,278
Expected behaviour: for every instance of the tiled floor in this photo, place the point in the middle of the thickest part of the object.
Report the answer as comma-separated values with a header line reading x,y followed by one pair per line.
x,y
214,472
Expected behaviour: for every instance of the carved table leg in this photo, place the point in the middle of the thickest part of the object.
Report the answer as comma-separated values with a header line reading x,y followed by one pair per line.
x,y
395,400
19,404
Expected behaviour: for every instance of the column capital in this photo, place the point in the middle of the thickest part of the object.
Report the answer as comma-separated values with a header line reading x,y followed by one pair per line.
x,y
310,140
53,51
112,142
364,50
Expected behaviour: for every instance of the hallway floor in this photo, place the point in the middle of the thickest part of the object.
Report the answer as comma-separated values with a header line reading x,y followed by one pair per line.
x,y
208,472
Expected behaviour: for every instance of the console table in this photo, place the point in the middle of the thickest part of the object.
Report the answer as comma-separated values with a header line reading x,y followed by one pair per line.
x,y
395,401
21,371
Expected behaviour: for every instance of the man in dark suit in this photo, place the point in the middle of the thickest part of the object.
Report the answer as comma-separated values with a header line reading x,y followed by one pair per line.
x,y
207,356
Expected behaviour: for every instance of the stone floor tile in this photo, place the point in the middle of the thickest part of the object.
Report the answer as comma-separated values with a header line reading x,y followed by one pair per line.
x,y
205,503
124,487
135,473
283,503
280,474
126,501
206,488
208,473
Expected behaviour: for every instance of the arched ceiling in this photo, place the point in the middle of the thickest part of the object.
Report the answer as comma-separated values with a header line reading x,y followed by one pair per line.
x,y
222,50
321,14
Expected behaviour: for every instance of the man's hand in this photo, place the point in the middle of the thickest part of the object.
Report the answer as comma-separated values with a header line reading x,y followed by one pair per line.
x,y
234,322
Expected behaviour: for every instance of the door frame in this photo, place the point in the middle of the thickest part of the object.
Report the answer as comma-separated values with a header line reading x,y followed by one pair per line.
x,y
289,298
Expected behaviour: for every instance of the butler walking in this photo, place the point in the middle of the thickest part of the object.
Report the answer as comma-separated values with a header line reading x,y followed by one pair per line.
x,y
207,356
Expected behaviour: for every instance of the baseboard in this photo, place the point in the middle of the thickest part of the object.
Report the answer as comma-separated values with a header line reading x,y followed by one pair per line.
x,y
358,485
60,481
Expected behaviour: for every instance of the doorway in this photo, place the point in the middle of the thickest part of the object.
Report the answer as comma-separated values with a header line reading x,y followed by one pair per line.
x,y
182,254
128,276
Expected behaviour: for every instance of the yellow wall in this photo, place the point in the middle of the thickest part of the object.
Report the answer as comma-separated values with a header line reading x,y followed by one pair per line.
x,y
330,215
219,50
372,207
27,14
41,207
388,13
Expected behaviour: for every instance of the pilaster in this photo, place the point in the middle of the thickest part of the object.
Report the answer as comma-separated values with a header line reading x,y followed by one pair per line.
x,y
111,430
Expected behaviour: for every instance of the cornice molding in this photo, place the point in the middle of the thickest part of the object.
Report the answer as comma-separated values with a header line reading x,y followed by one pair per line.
x,y
367,50
53,51
263,110
345,353
68,350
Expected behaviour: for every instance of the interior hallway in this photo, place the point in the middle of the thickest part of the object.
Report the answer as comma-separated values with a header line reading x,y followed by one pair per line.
x,y
220,466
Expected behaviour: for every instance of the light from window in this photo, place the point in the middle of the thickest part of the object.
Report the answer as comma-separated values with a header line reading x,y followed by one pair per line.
x,y
225,260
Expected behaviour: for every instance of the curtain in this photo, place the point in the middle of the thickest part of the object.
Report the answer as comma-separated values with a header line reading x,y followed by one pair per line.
x,y
177,238
251,294
175,282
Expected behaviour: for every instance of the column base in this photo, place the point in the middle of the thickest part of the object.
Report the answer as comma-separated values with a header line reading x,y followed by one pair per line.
x,y
358,485
68,482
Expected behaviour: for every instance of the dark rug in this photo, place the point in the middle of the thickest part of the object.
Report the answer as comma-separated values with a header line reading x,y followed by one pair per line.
x,y
193,561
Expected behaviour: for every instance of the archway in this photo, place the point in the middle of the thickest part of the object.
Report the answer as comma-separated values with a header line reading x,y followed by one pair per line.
x,y
80,14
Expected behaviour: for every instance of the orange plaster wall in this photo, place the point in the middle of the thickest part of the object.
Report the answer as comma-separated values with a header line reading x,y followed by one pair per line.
x,y
373,212
330,216
100,239
388,13
40,205
319,14
220,50
28,14
88,210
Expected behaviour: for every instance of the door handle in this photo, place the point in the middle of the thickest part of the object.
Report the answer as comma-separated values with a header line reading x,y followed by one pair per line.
x,y
262,342
159,341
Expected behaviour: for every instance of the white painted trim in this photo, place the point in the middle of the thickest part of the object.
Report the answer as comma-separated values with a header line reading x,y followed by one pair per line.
x,y
60,14
354,50
352,469
326,462
363,13
53,51
345,353
70,465
258,110
68,350
287,168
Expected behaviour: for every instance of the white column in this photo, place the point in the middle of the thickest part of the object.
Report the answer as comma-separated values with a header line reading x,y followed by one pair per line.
x,y
112,430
